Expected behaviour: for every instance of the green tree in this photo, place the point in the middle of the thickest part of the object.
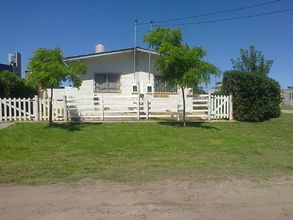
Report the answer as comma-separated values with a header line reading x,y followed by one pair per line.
x,y
252,61
48,70
178,63
12,86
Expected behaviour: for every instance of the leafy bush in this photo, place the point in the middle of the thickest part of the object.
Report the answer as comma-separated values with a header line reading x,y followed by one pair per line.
x,y
256,97
12,86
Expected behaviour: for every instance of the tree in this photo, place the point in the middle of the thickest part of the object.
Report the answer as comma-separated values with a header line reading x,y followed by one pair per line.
x,y
48,70
178,63
12,86
256,97
252,61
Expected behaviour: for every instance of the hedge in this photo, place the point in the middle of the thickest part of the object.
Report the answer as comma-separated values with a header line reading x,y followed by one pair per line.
x,y
11,86
255,97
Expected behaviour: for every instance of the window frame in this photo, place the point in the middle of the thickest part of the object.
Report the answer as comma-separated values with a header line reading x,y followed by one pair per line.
x,y
107,90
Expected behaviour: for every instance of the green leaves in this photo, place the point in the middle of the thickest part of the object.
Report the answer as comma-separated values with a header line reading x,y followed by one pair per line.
x,y
252,61
12,86
48,69
178,63
256,97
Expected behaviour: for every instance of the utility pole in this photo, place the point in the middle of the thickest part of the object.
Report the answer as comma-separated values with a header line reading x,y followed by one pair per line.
x,y
134,49
150,55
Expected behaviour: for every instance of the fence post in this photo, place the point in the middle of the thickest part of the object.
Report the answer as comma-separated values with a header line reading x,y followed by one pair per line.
x,y
231,108
14,112
0,109
35,108
102,103
209,106
147,109
138,107
10,108
65,114
5,109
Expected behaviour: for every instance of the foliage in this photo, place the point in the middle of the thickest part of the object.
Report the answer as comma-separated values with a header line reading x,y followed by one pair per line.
x,y
198,90
141,152
11,86
48,70
178,63
252,61
256,97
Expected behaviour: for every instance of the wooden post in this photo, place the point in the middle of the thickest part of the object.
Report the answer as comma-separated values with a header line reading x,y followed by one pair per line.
x,y
209,107
102,104
231,108
0,109
35,108
138,107
14,110
24,108
10,108
5,109
65,108
29,109
19,109
147,109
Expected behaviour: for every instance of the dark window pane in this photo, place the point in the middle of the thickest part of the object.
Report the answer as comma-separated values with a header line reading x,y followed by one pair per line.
x,y
107,82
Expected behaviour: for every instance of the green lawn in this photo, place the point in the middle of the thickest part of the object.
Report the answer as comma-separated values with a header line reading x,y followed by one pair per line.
x,y
286,107
32,153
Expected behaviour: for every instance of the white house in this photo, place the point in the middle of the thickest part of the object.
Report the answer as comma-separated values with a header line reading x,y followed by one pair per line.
x,y
125,71
119,77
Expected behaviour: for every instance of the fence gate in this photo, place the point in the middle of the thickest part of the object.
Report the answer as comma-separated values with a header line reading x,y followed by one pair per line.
x,y
13,109
28,109
221,107
207,106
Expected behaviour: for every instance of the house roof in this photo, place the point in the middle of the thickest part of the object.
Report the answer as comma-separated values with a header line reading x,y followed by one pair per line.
x,y
112,52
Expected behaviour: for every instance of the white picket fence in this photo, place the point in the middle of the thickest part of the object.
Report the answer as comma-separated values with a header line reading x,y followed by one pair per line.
x,y
31,109
131,107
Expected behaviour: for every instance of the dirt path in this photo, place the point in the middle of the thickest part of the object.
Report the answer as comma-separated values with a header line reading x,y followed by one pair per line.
x,y
5,124
287,111
163,200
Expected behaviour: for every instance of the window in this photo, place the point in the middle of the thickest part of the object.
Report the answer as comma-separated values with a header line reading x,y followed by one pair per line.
x,y
134,88
162,86
149,89
290,96
107,82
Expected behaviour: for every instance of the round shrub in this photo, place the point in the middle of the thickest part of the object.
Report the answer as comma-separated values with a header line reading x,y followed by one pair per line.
x,y
256,97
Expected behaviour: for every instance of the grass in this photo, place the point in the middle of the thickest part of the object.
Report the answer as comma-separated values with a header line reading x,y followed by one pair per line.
x,y
32,153
286,107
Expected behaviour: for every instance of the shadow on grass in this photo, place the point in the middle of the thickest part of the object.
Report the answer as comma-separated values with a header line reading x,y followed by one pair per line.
x,y
72,126
188,124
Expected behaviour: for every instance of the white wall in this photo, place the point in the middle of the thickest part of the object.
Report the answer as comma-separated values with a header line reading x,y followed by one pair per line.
x,y
118,63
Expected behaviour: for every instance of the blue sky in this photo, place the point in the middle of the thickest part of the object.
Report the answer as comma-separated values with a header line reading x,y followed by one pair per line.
x,y
76,26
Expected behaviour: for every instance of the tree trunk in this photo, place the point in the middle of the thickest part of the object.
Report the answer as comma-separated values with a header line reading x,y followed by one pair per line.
x,y
183,99
51,108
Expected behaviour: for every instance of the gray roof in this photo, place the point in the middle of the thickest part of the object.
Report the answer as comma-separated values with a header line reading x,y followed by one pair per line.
x,y
108,53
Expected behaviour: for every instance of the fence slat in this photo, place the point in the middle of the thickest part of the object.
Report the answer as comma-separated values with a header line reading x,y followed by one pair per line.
x,y
5,109
14,110
29,109
24,108
10,109
0,109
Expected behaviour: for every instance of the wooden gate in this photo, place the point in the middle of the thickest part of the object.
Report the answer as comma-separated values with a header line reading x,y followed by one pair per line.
x,y
216,107
29,109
